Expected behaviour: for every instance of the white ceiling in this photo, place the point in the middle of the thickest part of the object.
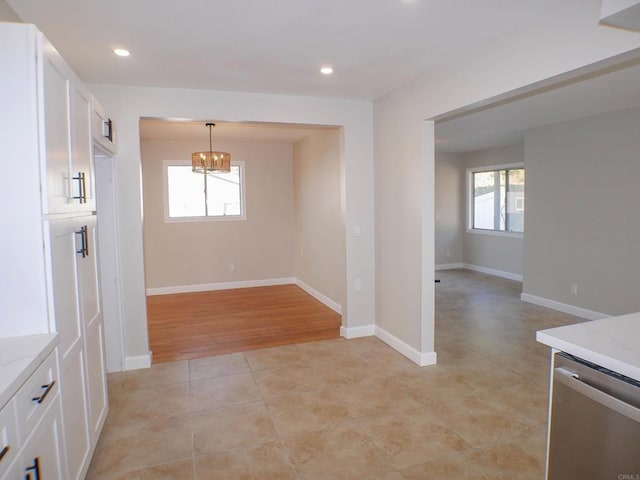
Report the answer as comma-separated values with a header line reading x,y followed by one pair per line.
x,y
272,47
278,47
159,129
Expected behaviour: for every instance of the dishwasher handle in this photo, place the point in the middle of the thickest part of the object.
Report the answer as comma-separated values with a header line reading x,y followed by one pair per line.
x,y
572,380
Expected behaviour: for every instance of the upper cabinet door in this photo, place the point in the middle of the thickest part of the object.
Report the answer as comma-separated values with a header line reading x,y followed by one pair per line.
x,y
104,133
68,163
81,145
56,126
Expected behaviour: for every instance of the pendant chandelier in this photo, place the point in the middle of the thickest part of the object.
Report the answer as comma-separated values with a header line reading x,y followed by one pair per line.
x,y
211,162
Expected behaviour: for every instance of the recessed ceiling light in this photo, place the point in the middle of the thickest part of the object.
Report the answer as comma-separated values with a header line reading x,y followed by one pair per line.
x,y
121,52
327,70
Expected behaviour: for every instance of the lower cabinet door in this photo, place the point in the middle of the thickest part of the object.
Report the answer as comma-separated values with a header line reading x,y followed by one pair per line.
x,y
42,454
96,378
74,412
66,237
88,277
8,436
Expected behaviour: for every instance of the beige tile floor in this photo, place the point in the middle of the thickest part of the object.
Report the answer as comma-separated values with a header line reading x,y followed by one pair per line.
x,y
348,409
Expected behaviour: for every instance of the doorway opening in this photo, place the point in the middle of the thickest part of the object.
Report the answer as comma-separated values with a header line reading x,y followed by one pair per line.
x,y
560,135
271,275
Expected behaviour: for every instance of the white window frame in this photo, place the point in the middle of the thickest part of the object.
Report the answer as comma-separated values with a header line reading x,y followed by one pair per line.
x,y
470,205
218,218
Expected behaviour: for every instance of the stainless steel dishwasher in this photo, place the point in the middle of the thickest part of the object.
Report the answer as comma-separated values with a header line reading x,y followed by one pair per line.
x,y
595,423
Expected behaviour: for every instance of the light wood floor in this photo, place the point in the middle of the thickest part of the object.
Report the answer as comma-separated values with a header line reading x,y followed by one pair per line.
x,y
194,325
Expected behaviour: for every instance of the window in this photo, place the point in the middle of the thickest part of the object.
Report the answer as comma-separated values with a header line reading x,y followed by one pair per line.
x,y
194,197
496,199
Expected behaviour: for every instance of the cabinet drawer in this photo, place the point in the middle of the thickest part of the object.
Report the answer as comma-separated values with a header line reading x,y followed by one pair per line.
x,y
8,436
34,396
41,456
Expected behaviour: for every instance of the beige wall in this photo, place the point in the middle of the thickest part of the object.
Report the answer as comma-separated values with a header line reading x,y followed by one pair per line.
x,y
319,216
535,53
583,220
128,104
453,243
449,191
8,14
194,253
502,253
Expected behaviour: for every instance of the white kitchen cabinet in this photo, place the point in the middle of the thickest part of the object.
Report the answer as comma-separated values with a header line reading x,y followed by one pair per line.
x,y
96,387
66,238
93,330
82,146
103,128
47,210
36,446
56,118
41,456
78,320
68,163
42,453
8,436
64,244
75,414
75,282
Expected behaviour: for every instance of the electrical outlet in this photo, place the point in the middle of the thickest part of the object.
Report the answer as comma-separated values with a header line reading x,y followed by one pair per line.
x,y
573,289
232,266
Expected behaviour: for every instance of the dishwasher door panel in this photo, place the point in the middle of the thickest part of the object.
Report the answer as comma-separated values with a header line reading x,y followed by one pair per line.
x,y
594,434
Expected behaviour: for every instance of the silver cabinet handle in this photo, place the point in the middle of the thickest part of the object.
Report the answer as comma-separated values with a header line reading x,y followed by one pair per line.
x,y
572,380
82,187
84,241
107,129
47,389
35,468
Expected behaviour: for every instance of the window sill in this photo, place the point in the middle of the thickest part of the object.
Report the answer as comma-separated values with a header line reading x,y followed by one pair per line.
x,y
495,233
228,218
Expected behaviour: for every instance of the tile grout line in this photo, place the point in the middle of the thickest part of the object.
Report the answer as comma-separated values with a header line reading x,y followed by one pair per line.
x,y
480,392
275,429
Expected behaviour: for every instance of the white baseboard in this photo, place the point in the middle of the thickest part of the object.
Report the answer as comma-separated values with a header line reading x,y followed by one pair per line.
x,y
422,359
563,307
204,287
335,306
137,362
493,271
449,266
357,332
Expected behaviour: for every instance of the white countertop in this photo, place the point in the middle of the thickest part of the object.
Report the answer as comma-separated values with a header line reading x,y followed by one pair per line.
x,y
613,343
19,357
